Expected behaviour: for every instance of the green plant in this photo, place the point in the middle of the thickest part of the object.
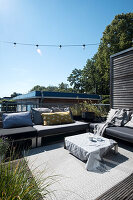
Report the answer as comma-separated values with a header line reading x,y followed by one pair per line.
x,y
17,181
99,111
4,145
76,110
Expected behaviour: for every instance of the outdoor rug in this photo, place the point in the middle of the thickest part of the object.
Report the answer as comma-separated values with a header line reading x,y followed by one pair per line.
x,y
122,191
75,182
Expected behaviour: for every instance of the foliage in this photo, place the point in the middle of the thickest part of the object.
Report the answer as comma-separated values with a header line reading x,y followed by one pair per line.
x,y
84,80
6,100
116,37
4,145
89,76
105,99
99,111
76,110
94,77
62,87
17,181
15,94
75,80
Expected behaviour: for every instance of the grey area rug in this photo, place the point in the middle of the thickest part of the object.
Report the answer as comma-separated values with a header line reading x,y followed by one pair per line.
x,y
122,191
75,182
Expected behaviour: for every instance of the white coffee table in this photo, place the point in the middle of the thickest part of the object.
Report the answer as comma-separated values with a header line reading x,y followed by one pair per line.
x,y
89,151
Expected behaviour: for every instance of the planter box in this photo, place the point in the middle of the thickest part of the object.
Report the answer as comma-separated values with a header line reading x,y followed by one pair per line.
x,y
88,116
77,117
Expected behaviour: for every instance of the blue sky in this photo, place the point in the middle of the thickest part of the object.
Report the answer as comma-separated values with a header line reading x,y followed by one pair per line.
x,y
50,22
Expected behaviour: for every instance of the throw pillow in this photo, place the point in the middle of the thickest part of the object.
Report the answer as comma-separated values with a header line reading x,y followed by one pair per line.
x,y
130,123
118,117
36,113
111,113
126,116
60,109
14,120
56,118
65,117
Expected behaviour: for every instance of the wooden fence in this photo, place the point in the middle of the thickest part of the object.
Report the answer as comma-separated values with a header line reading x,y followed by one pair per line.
x,y
121,79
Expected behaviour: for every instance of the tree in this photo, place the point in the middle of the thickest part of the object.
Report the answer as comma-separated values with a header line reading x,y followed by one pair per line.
x,y
90,76
75,80
63,86
14,94
52,88
94,77
85,80
116,37
38,88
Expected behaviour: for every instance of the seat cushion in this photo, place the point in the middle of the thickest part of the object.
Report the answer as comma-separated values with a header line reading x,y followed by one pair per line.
x,y
60,129
18,133
123,133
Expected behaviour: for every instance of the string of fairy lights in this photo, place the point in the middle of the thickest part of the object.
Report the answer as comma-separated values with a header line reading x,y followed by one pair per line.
x,y
37,46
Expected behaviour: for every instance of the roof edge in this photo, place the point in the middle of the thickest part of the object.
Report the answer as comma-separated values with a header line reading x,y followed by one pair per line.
x,y
121,52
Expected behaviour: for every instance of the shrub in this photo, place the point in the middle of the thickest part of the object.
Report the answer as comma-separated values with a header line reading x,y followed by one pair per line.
x,y
4,145
17,181
105,99
99,110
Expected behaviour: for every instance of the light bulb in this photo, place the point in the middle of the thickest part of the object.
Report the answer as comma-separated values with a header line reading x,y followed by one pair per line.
x,y
14,44
83,46
38,50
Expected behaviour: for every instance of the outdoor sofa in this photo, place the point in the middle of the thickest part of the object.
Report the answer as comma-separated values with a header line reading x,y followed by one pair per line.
x,y
123,132
34,130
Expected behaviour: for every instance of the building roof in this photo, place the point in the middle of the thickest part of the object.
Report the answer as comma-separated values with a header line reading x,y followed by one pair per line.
x,y
45,94
124,51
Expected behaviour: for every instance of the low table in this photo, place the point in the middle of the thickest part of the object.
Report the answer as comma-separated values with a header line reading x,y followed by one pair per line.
x,y
89,150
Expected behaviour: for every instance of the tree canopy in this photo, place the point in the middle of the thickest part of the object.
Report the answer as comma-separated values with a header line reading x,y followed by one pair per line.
x,y
94,77
62,87
14,94
116,37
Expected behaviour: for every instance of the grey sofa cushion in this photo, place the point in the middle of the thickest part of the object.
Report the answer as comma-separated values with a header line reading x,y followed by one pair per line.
x,y
123,133
60,129
14,120
18,133
36,113
60,109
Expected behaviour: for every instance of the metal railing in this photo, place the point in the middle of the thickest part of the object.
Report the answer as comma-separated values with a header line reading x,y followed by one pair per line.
x,y
22,107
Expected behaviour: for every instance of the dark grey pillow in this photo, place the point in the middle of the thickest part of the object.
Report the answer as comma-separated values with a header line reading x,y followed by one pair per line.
x,y
130,123
14,120
36,113
126,116
60,109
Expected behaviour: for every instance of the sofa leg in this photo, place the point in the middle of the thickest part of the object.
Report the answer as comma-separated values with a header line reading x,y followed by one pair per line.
x,y
33,142
39,141
116,148
64,144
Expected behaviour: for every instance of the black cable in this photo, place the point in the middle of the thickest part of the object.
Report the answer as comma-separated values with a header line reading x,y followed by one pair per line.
x,y
48,45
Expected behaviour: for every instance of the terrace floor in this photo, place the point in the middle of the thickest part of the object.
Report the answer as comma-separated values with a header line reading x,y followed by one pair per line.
x,y
75,183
